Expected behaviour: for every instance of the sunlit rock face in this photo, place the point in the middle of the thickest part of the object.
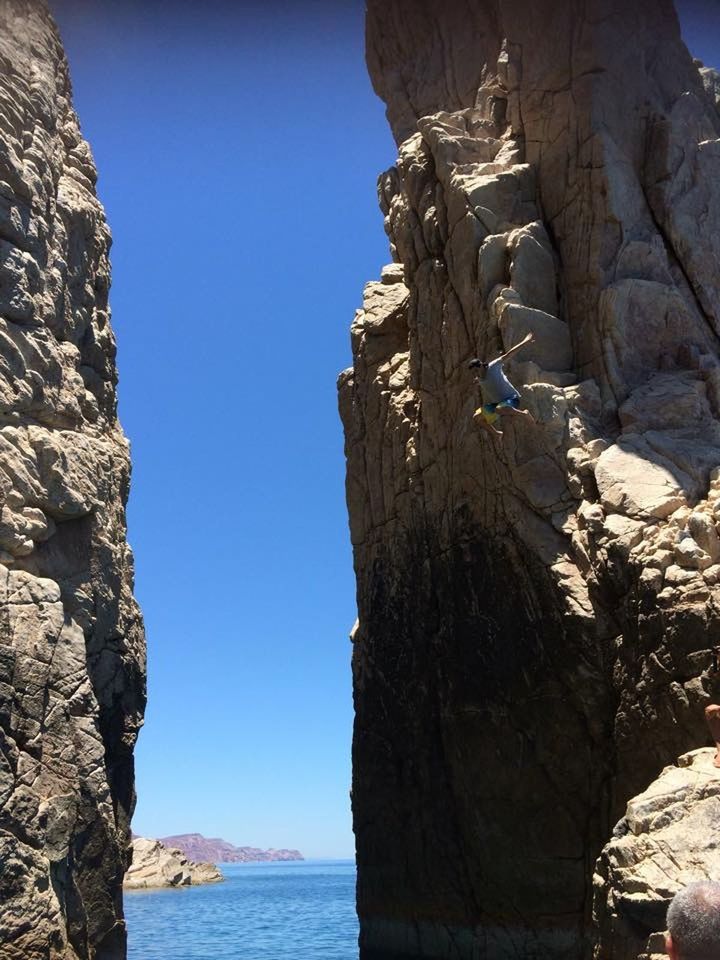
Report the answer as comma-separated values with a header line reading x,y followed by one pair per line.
x,y
711,79
666,840
535,613
71,637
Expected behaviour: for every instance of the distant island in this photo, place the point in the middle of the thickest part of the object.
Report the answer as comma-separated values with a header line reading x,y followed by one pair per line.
x,y
214,850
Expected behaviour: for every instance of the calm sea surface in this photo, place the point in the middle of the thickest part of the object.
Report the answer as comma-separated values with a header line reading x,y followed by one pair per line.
x,y
273,911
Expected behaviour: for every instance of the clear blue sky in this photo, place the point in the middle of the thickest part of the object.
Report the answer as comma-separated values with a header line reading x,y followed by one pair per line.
x,y
238,146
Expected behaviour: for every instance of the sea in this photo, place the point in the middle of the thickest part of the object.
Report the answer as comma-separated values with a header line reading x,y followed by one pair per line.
x,y
302,910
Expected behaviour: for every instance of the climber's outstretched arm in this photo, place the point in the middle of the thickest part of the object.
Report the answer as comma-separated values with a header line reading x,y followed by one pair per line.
x,y
508,353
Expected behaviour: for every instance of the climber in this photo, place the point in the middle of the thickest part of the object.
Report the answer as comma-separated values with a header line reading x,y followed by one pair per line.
x,y
498,394
693,922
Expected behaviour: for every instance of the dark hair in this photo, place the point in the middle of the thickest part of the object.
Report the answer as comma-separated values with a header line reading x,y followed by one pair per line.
x,y
693,921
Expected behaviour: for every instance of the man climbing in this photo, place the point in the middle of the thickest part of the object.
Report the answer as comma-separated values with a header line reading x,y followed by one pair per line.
x,y
498,394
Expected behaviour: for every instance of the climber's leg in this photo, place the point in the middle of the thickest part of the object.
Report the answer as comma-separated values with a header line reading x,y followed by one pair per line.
x,y
512,406
485,417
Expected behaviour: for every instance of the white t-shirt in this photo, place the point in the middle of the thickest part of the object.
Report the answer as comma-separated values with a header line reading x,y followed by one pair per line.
x,y
495,386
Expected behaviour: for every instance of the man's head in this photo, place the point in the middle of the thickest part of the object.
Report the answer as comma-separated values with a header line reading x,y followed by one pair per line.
x,y
480,366
693,921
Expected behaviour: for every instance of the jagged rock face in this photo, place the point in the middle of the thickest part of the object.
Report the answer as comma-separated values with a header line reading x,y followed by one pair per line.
x,y
666,840
155,865
71,637
535,613
711,79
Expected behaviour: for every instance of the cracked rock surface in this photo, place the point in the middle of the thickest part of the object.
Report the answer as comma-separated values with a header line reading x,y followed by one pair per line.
x,y
72,655
535,613
666,840
155,865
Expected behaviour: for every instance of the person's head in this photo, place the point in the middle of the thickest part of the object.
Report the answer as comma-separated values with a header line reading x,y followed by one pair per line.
x,y
693,922
479,366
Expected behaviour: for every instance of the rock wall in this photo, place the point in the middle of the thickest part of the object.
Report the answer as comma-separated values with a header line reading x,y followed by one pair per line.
x,y
535,613
71,637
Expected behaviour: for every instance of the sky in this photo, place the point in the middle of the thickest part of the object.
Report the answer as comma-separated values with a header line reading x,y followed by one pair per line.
x,y
238,146
238,149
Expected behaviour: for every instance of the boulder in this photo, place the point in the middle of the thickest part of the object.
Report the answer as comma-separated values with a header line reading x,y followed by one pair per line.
x,y
155,865
666,840
635,480
551,348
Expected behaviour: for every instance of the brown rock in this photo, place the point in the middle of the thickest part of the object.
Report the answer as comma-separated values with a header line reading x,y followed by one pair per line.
x,y
72,653
518,676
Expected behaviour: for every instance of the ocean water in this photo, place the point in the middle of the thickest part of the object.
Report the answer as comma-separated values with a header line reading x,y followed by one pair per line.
x,y
263,911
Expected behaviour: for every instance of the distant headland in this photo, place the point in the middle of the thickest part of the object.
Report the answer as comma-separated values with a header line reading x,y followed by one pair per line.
x,y
214,850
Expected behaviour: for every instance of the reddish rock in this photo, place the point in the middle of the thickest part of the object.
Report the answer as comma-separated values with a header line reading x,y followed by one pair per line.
x,y
214,850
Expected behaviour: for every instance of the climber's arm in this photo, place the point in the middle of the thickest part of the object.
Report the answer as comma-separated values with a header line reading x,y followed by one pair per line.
x,y
508,353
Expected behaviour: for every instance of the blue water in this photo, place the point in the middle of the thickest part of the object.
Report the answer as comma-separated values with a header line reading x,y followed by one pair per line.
x,y
263,911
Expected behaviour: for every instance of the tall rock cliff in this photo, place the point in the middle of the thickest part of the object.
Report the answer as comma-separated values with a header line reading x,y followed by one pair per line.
x,y
71,637
535,612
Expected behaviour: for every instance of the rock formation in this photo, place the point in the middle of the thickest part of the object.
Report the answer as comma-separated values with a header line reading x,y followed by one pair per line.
x,y
666,840
536,614
156,865
71,637
711,79
198,847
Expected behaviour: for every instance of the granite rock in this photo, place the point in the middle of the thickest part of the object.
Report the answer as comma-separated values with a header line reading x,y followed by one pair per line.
x,y
666,840
72,657
536,613
155,865
711,79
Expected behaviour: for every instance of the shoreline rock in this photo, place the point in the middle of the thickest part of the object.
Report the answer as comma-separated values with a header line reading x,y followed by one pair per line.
x,y
666,840
155,866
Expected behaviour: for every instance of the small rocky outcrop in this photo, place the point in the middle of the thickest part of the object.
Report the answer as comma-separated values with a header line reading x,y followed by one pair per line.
x,y
198,847
667,839
711,79
155,865
72,647
536,613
